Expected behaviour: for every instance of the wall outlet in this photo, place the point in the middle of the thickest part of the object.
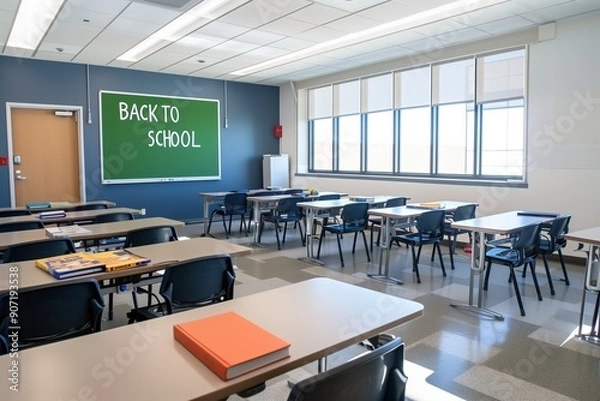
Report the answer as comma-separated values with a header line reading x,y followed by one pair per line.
x,y
143,211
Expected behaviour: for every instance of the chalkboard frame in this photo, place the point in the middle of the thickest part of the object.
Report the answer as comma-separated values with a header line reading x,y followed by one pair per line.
x,y
197,172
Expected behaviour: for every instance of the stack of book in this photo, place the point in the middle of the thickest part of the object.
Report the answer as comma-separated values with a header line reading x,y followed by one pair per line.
x,y
66,231
230,345
51,214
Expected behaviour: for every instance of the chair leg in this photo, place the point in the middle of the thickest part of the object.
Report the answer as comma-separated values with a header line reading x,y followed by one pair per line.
x,y
416,262
535,280
517,293
371,240
549,277
487,275
209,224
277,236
564,269
320,242
284,233
339,244
261,225
354,243
439,249
110,306
302,238
229,229
452,247
366,248
225,227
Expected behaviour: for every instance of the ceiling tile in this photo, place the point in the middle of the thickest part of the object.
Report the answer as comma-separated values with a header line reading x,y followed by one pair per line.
x,y
439,28
221,29
149,13
483,16
287,26
320,34
525,6
9,5
403,37
77,16
292,44
427,4
71,34
351,24
588,5
390,11
228,49
104,6
106,47
54,56
318,14
350,6
505,25
259,37
134,27
196,43
550,14
462,35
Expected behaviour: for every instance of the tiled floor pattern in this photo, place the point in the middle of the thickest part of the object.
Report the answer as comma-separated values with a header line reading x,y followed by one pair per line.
x,y
451,354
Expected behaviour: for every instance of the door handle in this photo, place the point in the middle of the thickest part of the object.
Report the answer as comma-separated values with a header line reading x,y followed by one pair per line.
x,y
20,177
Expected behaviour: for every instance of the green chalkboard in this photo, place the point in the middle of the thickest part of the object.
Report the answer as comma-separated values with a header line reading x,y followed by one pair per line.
x,y
149,138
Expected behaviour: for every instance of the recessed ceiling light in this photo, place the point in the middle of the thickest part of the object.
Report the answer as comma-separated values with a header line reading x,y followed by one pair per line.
x,y
33,19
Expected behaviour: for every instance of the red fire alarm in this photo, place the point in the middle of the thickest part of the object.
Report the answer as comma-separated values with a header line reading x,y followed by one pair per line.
x,y
3,161
278,131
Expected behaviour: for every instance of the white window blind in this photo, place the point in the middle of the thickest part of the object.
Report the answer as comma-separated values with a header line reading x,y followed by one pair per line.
x,y
453,82
501,76
319,103
346,98
377,93
412,88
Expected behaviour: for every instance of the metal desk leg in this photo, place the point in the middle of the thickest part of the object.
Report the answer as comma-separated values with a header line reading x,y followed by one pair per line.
x,y
594,335
386,244
256,222
478,269
310,219
205,217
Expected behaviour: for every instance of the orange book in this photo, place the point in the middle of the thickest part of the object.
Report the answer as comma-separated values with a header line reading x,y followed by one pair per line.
x,y
229,344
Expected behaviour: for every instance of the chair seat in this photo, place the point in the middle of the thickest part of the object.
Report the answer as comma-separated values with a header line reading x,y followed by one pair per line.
x,y
415,239
503,255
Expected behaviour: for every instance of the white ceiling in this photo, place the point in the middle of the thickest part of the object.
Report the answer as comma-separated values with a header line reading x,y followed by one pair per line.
x,y
96,32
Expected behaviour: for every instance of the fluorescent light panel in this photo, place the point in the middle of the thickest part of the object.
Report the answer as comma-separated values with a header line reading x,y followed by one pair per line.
x,y
426,17
175,30
32,21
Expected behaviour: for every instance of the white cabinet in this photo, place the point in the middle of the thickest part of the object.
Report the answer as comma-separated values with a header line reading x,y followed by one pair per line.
x,y
276,171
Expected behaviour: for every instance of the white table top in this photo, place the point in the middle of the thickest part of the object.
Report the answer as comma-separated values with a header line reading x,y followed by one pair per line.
x,y
503,223
588,236
102,230
335,203
144,362
161,256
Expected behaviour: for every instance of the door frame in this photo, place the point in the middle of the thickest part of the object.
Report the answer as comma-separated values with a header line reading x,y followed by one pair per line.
x,y
9,134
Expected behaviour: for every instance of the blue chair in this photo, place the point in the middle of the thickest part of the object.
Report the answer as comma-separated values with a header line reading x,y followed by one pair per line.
x,y
429,230
21,226
374,375
376,220
287,211
464,212
38,249
523,251
234,204
354,220
54,313
553,240
14,212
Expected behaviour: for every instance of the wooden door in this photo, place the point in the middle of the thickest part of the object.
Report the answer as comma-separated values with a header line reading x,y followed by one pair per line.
x,y
45,156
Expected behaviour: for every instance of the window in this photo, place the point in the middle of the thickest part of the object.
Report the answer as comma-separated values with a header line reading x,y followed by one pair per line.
x,y
459,119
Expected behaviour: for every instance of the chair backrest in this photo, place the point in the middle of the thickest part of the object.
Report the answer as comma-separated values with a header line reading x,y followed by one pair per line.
x,y
354,216
54,313
393,202
235,203
38,249
21,226
374,376
14,213
289,206
292,191
431,223
91,206
112,217
150,235
198,282
464,212
559,227
527,242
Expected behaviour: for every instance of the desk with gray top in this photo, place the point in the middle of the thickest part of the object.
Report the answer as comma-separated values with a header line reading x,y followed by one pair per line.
x,y
61,206
143,361
311,210
591,237
69,217
503,223
161,256
97,231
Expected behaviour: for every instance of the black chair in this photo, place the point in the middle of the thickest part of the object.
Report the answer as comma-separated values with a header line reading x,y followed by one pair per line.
x,y
374,375
234,204
553,240
287,211
354,220
54,313
430,230
21,226
90,206
191,284
115,242
376,220
262,210
524,249
38,249
14,213
464,212
147,236
322,216
112,217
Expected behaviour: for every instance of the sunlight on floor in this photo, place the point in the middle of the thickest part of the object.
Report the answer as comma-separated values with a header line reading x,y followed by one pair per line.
x,y
419,390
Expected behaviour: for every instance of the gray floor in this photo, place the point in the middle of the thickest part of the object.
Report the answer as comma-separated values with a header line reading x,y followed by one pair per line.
x,y
452,354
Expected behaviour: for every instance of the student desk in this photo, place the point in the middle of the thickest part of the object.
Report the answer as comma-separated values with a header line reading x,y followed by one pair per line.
x,y
143,361
98,231
591,237
61,206
312,209
69,217
408,212
503,223
161,256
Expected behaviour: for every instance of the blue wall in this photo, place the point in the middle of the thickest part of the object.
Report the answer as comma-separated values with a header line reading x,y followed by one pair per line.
x,y
252,112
